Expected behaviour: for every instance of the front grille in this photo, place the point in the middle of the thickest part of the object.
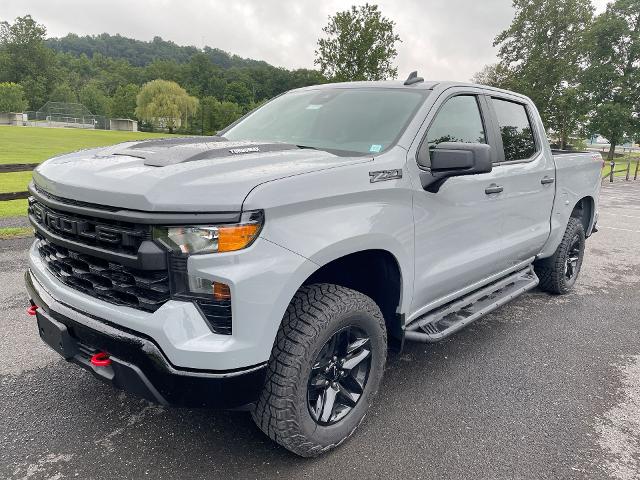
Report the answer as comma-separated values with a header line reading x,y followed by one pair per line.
x,y
143,289
117,261
115,236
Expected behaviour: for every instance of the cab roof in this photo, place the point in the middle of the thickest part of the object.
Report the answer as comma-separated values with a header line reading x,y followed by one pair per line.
x,y
422,85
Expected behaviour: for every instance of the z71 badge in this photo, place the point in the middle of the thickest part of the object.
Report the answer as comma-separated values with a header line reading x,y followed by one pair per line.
x,y
382,175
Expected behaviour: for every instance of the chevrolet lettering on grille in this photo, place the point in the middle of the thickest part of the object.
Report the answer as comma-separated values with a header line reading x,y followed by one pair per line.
x,y
77,227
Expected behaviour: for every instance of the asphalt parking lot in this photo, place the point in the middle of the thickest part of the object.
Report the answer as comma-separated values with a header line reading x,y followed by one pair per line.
x,y
545,387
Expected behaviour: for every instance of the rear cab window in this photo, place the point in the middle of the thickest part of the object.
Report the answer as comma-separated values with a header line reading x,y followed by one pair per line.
x,y
516,130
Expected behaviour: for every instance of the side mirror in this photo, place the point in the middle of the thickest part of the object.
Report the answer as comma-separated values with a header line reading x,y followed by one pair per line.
x,y
453,159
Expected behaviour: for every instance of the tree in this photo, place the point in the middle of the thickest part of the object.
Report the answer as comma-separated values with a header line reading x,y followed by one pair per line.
x,y
92,69
95,99
165,104
493,75
613,75
164,70
360,44
237,92
217,115
63,93
542,51
26,59
123,103
198,73
12,97
303,77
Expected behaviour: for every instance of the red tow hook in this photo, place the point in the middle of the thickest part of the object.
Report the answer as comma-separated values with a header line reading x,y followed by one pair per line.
x,y
32,310
100,359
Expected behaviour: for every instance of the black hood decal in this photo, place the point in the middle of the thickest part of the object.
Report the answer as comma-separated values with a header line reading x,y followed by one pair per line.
x,y
172,151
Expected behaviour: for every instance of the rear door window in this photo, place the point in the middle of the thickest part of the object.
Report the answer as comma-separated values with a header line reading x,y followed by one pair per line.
x,y
515,128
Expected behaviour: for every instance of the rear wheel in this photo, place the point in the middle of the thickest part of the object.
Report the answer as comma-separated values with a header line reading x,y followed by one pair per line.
x,y
559,272
325,368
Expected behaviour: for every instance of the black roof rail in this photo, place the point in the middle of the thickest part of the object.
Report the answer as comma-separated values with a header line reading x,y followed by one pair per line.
x,y
413,78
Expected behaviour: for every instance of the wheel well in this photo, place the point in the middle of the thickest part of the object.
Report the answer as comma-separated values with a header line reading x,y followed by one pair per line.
x,y
375,273
584,212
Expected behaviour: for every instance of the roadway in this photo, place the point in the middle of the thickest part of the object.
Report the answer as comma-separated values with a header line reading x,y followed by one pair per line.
x,y
545,387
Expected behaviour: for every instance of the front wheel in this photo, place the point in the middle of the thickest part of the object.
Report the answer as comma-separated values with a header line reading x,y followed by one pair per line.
x,y
325,368
559,272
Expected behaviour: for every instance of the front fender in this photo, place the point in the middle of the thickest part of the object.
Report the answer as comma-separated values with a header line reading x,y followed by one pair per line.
x,y
326,215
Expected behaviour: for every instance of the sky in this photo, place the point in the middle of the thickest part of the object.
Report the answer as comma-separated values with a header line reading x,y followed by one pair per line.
x,y
442,39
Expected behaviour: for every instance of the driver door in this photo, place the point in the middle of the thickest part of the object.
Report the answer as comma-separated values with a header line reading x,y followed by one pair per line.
x,y
458,230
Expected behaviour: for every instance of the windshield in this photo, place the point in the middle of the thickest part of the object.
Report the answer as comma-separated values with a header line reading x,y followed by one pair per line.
x,y
342,120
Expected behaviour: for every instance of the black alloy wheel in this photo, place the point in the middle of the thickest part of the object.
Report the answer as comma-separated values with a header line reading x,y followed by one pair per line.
x,y
325,368
573,258
339,375
559,272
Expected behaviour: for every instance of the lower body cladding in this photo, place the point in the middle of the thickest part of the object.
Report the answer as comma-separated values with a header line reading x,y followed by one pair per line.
x,y
136,364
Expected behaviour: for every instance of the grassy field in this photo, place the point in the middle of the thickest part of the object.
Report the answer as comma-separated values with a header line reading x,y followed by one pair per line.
x,y
15,232
14,182
621,166
34,145
13,208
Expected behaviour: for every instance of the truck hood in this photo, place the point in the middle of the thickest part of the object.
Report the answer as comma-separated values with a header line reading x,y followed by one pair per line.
x,y
200,174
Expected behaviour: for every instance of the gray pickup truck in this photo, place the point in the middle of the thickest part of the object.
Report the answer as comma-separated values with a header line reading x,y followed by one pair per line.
x,y
273,266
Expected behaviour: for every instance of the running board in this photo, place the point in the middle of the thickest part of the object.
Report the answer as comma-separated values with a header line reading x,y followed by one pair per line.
x,y
450,318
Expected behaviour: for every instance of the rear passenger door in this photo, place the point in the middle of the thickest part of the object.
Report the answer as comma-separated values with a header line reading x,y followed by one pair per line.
x,y
526,171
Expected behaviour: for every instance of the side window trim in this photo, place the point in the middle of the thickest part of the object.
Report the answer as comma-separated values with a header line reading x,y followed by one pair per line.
x,y
532,124
488,127
493,131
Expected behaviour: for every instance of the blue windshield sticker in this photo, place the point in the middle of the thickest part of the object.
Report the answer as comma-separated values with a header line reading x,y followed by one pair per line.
x,y
375,148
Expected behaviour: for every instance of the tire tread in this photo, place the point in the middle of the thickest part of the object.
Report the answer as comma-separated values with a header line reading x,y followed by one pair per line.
x,y
550,270
309,312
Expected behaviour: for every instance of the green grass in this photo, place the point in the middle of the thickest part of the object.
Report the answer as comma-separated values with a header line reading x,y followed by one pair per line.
x,y
14,182
13,208
35,144
621,166
15,232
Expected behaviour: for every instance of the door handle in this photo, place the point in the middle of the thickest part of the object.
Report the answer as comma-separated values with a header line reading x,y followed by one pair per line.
x,y
547,180
493,188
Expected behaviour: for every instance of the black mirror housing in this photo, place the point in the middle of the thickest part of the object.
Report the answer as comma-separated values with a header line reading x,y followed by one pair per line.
x,y
454,159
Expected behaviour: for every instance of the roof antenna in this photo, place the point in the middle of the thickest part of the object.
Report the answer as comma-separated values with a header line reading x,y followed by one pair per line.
x,y
413,78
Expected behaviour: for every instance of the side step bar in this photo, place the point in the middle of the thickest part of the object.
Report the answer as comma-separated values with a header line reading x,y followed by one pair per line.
x,y
450,318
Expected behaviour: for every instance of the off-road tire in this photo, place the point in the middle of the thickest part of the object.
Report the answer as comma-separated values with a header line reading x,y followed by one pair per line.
x,y
552,271
314,315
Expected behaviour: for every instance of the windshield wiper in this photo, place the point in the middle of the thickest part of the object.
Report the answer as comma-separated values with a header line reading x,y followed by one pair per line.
x,y
307,147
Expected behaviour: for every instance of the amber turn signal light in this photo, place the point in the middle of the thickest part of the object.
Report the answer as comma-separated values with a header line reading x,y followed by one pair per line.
x,y
236,237
221,291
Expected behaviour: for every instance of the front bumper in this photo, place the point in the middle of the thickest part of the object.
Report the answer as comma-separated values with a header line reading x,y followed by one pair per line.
x,y
263,278
138,365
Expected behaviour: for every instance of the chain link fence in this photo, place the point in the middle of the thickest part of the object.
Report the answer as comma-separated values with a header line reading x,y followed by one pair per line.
x,y
63,114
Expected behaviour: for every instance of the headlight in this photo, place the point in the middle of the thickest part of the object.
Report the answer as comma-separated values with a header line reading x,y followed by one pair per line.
x,y
212,239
